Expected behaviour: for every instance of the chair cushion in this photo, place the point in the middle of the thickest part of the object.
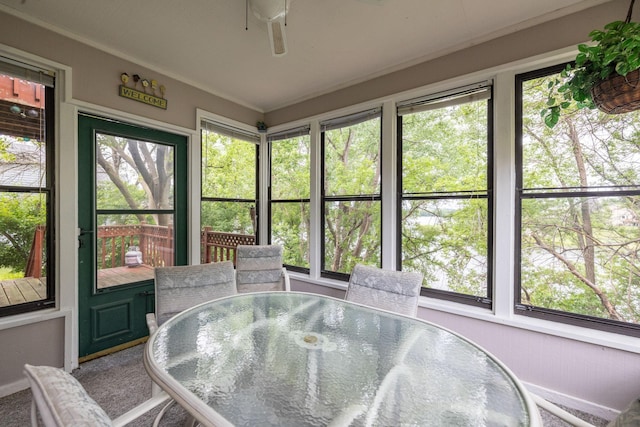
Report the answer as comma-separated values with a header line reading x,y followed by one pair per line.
x,y
61,399
386,289
259,268
181,287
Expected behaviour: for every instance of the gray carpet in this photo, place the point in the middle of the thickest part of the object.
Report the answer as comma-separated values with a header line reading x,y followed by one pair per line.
x,y
118,382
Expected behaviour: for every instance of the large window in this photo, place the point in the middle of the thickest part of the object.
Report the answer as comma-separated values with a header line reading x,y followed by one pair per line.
x,y
578,204
289,199
445,203
26,188
229,202
351,196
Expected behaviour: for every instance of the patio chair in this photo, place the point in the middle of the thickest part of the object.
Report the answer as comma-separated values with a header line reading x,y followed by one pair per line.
x,y
184,286
181,287
62,401
391,290
630,416
259,268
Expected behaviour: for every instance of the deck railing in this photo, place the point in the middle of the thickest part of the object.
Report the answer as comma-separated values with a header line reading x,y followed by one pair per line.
x,y
216,246
154,242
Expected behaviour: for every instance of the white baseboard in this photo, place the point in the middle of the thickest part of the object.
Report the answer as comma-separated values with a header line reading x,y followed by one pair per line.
x,y
573,402
14,387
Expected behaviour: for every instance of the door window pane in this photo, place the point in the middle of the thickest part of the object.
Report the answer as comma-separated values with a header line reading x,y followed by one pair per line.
x,y
134,203
132,174
128,249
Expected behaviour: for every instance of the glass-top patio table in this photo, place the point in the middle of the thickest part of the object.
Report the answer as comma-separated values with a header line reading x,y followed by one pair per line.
x,y
298,359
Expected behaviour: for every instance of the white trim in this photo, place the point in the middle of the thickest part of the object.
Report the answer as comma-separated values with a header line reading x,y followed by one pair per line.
x,y
263,194
315,257
503,199
194,192
110,113
389,169
67,223
32,317
14,387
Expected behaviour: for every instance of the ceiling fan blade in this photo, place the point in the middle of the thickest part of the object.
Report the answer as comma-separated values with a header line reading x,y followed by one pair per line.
x,y
277,37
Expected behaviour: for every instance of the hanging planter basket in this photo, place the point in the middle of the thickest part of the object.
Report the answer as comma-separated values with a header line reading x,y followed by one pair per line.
x,y
618,94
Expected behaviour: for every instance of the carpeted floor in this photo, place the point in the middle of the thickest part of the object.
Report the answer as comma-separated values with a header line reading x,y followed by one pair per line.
x,y
118,382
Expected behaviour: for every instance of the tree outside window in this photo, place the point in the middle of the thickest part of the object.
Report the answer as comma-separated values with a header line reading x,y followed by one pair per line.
x,y
289,195
445,204
351,197
579,213
229,180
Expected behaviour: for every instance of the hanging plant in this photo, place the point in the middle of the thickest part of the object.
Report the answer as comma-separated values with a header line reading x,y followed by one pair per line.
x,y
604,75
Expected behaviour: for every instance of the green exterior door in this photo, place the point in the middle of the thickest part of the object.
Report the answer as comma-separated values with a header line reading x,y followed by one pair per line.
x,y
132,217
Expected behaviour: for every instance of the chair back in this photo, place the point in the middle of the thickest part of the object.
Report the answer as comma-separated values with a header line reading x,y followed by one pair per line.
x,y
181,287
391,290
259,268
61,400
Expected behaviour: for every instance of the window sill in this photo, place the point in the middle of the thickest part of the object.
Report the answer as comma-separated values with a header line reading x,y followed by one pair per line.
x,y
43,315
576,333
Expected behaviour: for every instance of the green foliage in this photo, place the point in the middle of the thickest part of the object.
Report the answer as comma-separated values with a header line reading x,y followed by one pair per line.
x,y
7,273
352,169
228,172
444,236
228,167
290,186
616,51
580,254
19,215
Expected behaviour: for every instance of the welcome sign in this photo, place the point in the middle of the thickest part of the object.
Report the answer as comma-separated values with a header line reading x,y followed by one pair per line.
x,y
142,95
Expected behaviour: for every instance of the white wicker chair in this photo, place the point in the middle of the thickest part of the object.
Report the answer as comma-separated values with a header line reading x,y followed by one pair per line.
x,y
259,268
391,290
181,287
627,418
62,401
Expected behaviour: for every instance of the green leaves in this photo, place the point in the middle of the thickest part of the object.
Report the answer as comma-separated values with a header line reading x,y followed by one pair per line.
x,y
615,50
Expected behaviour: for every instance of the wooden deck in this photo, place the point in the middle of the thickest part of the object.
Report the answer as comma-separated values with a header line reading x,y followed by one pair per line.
x,y
122,275
18,291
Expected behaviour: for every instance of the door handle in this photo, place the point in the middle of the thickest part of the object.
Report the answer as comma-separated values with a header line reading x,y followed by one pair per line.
x,y
82,232
146,293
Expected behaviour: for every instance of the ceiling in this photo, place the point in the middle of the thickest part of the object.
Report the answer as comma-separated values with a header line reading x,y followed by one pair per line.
x,y
331,43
